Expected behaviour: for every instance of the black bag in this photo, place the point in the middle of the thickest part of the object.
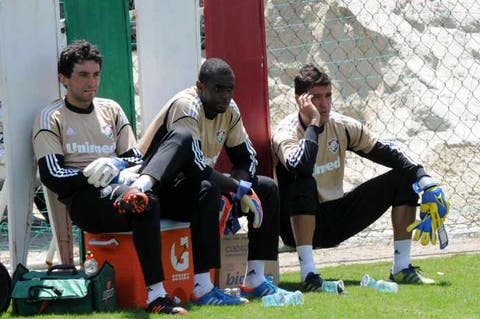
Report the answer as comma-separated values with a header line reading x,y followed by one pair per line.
x,y
63,289
5,288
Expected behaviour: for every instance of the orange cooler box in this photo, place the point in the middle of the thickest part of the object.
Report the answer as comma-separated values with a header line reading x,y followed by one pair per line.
x,y
118,250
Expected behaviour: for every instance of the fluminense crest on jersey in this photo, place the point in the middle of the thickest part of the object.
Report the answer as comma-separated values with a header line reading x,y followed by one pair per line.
x,y
333,145
108,131
220,136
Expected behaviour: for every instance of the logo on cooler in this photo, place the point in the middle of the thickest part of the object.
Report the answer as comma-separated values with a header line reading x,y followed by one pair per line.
x,y
179,255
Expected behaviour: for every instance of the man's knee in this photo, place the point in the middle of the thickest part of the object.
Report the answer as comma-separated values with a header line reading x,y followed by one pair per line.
x,y
303,196
182,136
266,187
305,182
153,207
210,196
405,195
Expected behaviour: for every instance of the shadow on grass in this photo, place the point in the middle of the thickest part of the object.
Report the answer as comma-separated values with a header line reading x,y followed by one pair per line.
x,y
351,282
291,286
444,283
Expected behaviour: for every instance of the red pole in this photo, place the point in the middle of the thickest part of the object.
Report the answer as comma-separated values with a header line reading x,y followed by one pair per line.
x,y
235,32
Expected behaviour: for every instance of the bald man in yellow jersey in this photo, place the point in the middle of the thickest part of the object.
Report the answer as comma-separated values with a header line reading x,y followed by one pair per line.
x,y
208,112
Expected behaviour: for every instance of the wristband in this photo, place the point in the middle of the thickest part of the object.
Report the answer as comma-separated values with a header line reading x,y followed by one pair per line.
x,y
423,183
243,188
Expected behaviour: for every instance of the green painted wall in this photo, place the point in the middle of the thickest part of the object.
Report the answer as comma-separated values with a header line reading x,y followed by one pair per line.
x,y
106,23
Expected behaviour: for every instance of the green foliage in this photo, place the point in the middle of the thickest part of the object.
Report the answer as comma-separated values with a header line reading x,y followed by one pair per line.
x,y
455,295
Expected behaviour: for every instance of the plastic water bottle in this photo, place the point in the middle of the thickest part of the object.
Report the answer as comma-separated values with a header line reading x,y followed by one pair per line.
x,y
386,286
334,287
379,285
90,266
368,281
283,298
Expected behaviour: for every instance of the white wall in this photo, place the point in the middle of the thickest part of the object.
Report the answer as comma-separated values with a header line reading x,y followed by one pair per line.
x,y
28,82
168,45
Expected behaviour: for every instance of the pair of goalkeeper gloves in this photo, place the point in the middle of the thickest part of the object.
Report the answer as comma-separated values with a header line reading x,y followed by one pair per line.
x,y
434,209
107,170
243,202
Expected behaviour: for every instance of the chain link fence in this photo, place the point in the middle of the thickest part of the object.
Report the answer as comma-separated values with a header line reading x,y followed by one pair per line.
x,y
409,70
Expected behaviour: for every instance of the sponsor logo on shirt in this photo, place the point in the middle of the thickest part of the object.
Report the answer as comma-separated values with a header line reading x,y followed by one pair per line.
x,y
333,145
70,131
220,136
330,166
90,148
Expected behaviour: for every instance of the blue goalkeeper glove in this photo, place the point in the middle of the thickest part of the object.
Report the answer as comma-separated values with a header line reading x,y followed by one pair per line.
x,y
434,202
249,202
424,231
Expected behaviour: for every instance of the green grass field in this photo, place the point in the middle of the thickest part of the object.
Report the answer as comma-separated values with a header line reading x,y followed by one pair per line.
x,y
456,294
